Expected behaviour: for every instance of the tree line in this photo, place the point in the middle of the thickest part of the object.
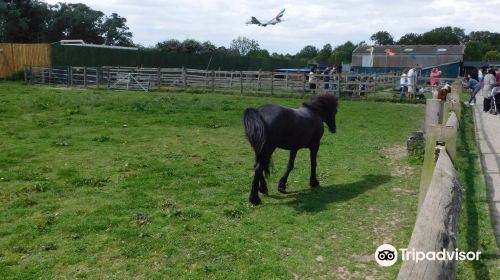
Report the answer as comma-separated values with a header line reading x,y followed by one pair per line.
x,y
32,21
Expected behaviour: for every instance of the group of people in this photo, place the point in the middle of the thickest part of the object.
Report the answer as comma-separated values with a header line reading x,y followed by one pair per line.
x,y
486,80
317,77
408,82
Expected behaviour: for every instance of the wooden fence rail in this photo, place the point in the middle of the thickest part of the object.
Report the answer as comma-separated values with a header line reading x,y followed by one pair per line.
x,y
156,78
440,193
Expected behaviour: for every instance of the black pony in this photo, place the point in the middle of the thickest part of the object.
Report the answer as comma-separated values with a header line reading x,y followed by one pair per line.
x,y
272,126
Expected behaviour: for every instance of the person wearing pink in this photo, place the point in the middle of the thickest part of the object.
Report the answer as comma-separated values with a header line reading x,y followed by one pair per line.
x,y
498,75
434,77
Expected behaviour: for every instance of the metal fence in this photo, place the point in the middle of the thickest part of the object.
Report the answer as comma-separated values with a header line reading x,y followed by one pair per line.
x,y
146,79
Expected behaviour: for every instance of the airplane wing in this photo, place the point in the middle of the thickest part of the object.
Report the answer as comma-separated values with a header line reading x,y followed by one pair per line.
x,y
279,15
277,18
255,21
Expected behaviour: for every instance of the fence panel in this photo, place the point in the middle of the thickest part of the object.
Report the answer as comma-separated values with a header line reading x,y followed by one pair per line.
x,y
13,57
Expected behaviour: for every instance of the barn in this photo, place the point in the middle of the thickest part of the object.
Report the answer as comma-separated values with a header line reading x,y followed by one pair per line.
x,y
395,58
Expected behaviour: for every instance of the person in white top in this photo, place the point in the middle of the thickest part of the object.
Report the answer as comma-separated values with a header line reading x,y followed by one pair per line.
x,y
488,83
412,82
403,82
312,81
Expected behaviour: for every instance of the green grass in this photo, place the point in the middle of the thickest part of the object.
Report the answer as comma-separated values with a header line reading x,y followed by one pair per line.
x,y
476,233
97,184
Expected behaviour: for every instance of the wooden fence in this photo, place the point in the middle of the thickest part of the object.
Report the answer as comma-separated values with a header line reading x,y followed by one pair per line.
x,y
440,192
131,78
14,57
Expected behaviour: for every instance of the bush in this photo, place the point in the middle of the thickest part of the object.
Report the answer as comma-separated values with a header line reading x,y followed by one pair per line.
x,y
17,76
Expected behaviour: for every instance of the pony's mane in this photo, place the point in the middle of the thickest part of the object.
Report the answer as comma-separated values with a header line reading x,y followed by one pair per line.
x,y
322,103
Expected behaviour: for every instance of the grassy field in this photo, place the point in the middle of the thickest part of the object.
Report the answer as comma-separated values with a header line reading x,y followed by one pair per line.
x,y
133,185
476,233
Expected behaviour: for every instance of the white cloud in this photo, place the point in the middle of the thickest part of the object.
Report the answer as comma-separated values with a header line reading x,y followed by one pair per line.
x,y
315,22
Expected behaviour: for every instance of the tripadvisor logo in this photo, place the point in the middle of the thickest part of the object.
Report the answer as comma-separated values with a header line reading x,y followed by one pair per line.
x,y
387,255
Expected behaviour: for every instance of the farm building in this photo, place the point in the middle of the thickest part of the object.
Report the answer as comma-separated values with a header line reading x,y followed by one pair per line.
x,y
395,58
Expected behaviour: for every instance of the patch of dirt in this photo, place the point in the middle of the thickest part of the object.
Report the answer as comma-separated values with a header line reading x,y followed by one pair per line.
x,y
395,154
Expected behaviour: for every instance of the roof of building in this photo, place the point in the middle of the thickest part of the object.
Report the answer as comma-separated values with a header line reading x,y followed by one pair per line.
x,y
413,49
470,63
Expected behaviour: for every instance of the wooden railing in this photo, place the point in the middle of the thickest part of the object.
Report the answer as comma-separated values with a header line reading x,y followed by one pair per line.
x,y
440,192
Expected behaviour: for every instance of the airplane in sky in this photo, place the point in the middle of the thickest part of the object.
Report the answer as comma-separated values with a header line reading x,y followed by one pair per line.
x,y
273,21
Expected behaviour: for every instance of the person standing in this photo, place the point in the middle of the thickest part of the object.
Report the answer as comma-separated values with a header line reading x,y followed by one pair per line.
x,y
434,78
312,81
412,82
488,83
403,82
326,79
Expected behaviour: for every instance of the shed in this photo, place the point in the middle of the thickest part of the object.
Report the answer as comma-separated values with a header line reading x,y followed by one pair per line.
x,y
398,57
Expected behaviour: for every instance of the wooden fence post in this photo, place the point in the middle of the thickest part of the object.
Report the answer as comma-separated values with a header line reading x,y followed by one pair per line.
x,y
286,80
85,77
241,82
158,78
272,82
97,78
436,134
231,79
109,77
432,113
258,81
31,75
184,77
25,74
213,80
70,76
304,82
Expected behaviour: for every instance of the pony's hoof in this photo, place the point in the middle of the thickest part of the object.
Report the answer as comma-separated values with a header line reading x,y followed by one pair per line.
x,y
314,184
264,190
282,186
255,200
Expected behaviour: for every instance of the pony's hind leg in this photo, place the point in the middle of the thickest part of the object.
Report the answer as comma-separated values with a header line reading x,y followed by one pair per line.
x,y
289,168
254,192
263,186
313,180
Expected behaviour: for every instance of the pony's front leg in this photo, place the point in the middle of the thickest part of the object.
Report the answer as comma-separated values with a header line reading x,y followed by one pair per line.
x,y
289,167
313,181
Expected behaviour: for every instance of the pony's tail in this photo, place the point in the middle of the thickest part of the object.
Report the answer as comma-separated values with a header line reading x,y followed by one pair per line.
x,y
255,129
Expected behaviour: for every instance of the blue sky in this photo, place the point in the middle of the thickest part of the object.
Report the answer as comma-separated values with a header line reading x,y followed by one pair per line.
x,y
306,22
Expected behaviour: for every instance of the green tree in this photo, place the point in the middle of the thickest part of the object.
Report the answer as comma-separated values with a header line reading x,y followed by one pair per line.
x,y
116,31
308,51
208,47
171,45
343,53
443,36
243,45
382,38
75,21
258,53
23,21
473,50
410,39
491,56
324,53
191,46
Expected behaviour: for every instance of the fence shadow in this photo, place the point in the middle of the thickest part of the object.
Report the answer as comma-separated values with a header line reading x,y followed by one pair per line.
x,y
316,200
